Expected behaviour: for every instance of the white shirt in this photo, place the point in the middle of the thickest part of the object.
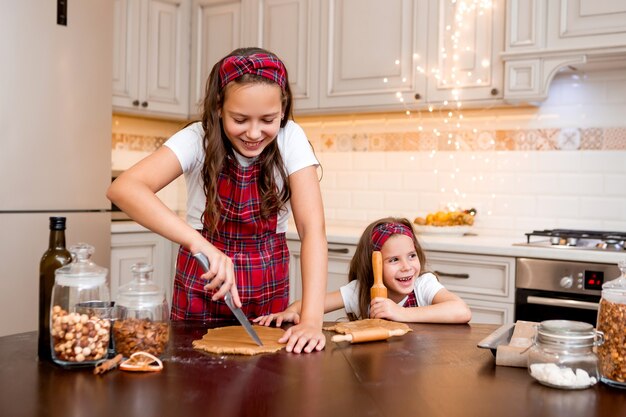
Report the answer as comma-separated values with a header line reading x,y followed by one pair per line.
x,y
425,288
186,144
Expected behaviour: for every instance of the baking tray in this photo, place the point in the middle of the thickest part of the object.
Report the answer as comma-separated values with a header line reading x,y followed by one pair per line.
x,y
502,335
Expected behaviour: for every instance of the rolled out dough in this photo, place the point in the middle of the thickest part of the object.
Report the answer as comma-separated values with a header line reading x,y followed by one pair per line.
x,y
355,326
235,341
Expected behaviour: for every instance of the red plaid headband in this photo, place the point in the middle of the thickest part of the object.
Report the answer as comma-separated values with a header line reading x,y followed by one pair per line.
x,y
384,231
265,65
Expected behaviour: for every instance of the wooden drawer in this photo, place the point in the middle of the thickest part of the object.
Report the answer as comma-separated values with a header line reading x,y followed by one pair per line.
x,y
477,276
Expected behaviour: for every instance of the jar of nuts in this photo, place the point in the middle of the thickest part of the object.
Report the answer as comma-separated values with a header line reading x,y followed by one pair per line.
x,y
612,322
142,323
77,337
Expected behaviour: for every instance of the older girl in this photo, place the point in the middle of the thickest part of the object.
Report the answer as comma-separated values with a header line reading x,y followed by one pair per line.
x,y
246,166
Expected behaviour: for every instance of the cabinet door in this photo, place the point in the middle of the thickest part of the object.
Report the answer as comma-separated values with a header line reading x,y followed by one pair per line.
x,y
151,57
290,29
486,312
469,68
370,53
216,29
165,43
126,53
576,24
339,257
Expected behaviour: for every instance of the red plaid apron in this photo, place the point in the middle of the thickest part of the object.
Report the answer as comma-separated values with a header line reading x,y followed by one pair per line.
x,y
260,255
411,301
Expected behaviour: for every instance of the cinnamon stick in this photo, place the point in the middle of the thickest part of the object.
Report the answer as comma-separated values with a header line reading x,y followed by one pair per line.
x,y
108,365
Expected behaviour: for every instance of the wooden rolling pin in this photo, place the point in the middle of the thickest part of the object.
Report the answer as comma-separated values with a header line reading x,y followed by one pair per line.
x,y
378,289
368,335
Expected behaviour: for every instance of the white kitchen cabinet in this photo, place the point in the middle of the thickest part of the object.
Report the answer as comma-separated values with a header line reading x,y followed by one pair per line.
x,y
372,55
370,51
130,248
470,70
544,36
218,27
290,29
151,57
339,256
485,283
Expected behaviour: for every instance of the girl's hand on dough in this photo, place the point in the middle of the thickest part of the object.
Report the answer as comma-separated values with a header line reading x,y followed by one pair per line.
x,y
303,338
280,318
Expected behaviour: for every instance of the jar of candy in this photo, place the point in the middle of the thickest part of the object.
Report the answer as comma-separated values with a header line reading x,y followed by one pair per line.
x,y
612,322
79,337
562,355
142,323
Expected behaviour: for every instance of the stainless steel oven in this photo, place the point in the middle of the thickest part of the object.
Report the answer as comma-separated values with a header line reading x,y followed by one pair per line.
x,y
551,289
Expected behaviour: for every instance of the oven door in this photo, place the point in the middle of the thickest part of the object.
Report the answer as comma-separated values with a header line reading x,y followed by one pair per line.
x,y
537,305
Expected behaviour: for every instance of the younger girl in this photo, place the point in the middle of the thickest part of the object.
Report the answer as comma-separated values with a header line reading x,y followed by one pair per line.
x,y
412,297
246,165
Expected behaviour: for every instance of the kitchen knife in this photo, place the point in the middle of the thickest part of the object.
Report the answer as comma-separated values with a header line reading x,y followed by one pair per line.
x,y
243,320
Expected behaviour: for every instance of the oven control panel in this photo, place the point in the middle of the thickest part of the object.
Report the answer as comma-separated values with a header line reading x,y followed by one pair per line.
x,y
593,280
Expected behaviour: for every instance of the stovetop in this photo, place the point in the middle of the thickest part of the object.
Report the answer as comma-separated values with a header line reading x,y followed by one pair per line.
x,y
577,239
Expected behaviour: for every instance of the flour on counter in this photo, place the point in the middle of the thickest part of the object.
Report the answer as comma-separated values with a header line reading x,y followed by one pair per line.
x,y
551,374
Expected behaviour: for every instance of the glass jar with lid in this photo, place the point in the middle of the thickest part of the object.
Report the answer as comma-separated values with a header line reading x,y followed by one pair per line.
x,y
612,322
142,323
79,337
562,355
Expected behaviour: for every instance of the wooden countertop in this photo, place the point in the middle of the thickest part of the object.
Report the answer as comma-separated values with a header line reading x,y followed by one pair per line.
x,y
436,370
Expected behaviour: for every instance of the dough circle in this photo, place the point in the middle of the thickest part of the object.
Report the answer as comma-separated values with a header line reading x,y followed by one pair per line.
x,y
234,340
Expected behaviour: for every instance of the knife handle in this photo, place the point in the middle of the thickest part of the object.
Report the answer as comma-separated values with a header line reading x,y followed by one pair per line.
x,y
204,263
202,260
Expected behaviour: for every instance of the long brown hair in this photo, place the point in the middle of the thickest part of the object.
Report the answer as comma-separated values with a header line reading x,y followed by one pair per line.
x,y
361,263
218,149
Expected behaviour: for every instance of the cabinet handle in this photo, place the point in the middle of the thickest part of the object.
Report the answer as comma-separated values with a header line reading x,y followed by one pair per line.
x,y
446,274
338,250
417,96
135,102
494,91
144,104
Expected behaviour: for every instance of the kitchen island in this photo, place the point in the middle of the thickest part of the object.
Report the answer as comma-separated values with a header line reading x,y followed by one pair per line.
x,y
436,370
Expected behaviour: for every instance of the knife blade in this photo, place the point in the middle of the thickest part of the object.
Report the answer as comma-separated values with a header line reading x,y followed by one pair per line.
x,y
228,299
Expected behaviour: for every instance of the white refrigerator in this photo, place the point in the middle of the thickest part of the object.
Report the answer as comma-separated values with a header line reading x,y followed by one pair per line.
x,y
55,140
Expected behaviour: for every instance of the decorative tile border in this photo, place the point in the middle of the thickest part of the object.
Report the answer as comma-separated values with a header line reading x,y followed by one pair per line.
x,y
567,139
144,143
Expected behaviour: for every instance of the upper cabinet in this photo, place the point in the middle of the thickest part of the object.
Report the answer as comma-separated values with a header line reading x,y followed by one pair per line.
x,y
369,55
290,29
151,57
545,35
217,28
464,50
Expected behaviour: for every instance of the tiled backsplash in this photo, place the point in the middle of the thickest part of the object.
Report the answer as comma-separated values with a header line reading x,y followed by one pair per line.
x,y
562,164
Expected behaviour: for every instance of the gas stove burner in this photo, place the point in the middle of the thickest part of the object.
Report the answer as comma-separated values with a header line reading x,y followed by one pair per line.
x,y
578,239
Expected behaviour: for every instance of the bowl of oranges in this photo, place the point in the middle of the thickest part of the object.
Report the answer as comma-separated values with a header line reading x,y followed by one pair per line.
x,y
451,223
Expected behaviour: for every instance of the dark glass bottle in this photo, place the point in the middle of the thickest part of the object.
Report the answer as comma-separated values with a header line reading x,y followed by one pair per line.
x,y
55,257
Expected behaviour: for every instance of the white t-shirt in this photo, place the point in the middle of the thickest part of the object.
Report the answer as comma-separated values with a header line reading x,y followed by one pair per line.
x,y
293,145
425,288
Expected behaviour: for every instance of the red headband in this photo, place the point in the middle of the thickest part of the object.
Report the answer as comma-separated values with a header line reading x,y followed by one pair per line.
x,y
265,65
384,231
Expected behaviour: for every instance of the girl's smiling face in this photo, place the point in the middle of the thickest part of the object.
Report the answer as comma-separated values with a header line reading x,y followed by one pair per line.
x,y
251,116
401,266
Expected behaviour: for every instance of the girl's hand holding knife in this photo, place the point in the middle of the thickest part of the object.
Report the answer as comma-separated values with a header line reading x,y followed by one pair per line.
x,y
221,275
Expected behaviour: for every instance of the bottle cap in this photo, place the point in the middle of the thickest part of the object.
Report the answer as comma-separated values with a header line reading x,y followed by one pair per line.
x,y
57,223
